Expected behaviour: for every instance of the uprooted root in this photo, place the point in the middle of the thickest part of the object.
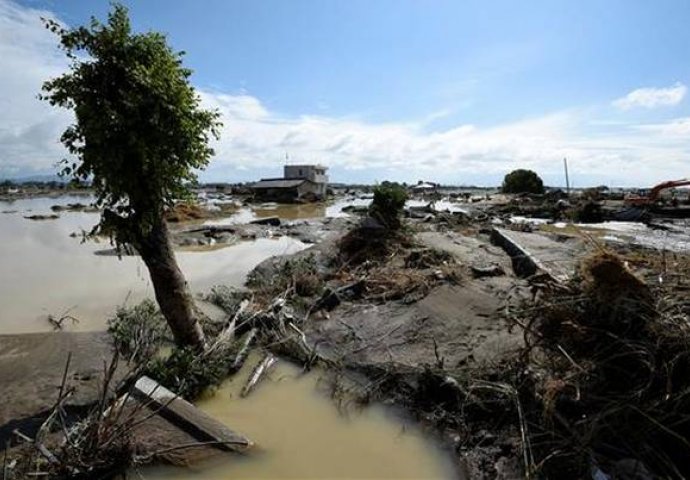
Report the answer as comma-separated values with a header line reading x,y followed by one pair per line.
x,y
362,244
428,258
611,372
299,276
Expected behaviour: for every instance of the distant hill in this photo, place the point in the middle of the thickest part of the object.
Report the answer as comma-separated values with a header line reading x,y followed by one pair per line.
x,y
35,178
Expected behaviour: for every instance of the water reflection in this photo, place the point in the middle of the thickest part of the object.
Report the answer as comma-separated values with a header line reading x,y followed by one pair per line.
x,y
45,271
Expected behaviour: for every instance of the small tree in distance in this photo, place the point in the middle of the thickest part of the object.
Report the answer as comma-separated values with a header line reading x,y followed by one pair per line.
x,y
139,136
522,181
388,204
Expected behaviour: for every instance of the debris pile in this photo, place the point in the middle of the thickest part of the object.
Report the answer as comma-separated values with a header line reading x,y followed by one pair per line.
x,y
607,382
98,445
184,212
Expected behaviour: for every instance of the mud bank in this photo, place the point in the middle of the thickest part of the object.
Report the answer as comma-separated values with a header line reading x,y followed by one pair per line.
x,y
434,305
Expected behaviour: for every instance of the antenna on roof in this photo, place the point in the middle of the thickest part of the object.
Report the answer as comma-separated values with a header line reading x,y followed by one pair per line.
x,y
287,159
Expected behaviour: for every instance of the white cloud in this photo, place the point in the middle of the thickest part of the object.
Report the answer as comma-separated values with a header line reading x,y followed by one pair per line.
x,y
678,127
652,97
243,106
465,151
29,129
255,138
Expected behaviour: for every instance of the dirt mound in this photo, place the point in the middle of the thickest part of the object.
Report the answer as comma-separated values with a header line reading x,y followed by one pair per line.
x,y
184,212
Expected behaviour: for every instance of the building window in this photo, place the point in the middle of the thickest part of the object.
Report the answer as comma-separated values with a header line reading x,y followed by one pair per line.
x,y
300,172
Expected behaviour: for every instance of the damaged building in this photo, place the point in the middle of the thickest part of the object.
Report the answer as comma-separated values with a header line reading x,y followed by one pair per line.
x,y
299,183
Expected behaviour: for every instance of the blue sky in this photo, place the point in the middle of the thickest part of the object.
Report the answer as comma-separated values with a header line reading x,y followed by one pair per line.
x,y
452,91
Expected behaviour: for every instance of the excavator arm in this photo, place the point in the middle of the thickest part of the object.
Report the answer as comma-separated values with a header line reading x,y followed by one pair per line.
x,y
653,196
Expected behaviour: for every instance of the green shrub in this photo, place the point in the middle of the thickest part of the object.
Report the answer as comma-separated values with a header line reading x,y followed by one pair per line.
x,y
227,298
138,331
187,373
522,181
388,204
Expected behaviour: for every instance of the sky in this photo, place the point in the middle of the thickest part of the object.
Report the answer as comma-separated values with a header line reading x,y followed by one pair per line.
x,y
456,92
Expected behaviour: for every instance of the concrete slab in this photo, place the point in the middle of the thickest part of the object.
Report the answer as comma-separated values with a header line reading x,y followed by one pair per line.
x,y
533,252
467,249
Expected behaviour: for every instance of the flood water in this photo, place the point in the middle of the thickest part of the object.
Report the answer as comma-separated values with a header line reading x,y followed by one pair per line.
x,y
45,271
298,430
331,209
247,214
301,433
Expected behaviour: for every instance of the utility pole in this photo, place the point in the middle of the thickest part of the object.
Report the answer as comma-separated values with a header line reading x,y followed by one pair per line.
x,y
567,180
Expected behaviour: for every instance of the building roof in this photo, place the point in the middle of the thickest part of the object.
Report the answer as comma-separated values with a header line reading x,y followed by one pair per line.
x,y
278,183
306,165
423,186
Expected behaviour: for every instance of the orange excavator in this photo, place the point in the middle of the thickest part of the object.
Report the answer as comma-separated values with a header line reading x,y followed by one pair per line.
x,y
653,196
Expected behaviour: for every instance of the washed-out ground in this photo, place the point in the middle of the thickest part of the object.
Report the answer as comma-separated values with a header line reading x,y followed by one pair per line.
x,y
456,321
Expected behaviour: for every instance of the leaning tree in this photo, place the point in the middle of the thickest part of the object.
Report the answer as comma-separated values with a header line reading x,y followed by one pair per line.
x,y
139,135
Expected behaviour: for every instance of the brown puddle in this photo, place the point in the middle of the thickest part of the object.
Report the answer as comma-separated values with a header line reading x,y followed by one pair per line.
x,y
300,433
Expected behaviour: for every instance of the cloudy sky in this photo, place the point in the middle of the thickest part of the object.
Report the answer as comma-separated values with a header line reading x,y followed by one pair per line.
x,y
451,91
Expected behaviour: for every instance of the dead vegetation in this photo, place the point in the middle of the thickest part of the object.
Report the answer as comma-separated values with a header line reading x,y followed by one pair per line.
x,y
601,387
389,265
96,445
106,440
608,359
291,278
185,212
57,321
372,243
190,212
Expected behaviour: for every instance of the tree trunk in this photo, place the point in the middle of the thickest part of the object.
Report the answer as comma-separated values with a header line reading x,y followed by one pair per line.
x,y
172,292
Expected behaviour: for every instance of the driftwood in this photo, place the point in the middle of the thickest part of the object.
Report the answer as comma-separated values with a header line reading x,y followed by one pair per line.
x,y
57,322
228,333
257,374
42,449
243,352
233,323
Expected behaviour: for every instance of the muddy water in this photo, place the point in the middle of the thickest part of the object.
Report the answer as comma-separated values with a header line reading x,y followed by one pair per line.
x,y
301,433
289,211
674,235
45,271
247,214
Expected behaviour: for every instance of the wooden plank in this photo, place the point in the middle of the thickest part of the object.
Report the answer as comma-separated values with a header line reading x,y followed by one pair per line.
x,y
187,417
